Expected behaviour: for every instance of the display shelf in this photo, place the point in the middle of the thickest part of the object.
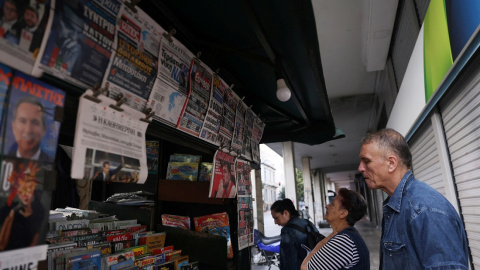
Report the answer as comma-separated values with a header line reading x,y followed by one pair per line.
x,y
186,191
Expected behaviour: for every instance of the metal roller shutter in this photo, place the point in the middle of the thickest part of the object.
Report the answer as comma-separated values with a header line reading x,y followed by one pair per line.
x,y
426,163
461,116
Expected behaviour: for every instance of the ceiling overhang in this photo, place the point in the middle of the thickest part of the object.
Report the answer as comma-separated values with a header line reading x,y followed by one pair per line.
x,y
248,41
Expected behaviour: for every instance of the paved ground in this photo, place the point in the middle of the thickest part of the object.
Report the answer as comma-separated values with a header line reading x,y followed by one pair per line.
x,y
369,232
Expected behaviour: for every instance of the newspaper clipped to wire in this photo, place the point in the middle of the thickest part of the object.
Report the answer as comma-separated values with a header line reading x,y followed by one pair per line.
x,y
109,144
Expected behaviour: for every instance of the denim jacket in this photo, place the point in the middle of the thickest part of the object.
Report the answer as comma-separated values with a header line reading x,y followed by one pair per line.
x,y
290,245
421,230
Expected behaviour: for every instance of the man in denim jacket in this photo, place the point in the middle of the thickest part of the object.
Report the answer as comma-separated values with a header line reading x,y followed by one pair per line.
x,y
420,228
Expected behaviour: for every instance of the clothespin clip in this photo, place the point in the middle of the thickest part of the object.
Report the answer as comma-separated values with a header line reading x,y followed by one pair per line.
x,y
216,72
120,100
170,34
132,5
96,92
148,114
197,57
250,107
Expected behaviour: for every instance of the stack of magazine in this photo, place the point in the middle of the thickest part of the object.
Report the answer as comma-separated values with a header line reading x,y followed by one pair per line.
x,y
109,243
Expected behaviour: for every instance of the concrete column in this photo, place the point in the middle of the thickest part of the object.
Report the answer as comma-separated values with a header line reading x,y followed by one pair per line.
x,y
318,195
289,166
307,186
258,196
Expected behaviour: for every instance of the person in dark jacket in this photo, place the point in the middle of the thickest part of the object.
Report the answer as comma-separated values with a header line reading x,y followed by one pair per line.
x,y
291,251
344,248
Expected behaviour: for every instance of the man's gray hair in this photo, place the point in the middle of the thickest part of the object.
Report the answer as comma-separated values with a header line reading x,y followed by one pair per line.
x,y
391,142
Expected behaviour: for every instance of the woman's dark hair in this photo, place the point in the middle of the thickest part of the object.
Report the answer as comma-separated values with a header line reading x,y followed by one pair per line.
x,y
285,204
354,203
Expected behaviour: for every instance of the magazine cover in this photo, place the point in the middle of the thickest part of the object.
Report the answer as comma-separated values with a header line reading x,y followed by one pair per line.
x,y
30,128
32,103
182,171
6,74
244,183
195,109
218,220
109,144
24,29
222,184
211,125
245,222
133,67
153,148
170,91
79,45
176,221
205,173
227,125
23,259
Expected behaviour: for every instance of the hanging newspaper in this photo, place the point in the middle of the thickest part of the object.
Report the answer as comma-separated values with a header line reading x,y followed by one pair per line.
x,y
109,144
255,151
24,26
195,109
245,222
133,68
244,184
170,91
258,126
222,184
79,45
247,138
237,139
227,125
30,130
211,125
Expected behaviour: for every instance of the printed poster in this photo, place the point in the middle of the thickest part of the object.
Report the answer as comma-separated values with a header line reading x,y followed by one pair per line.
x,y
79,45
30,129
238,132
109,144
170,90
245,222
211,125
244,183
223,181
133,68
227,125
247,138
195,109
24,26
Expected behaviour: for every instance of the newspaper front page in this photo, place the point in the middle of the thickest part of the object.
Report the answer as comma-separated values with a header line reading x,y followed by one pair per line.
x,y
105,136
80,42
223,184
211,125
195,109
133,68
170,90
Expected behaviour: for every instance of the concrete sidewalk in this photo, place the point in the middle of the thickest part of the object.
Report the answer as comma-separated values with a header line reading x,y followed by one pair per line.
x,y
371,236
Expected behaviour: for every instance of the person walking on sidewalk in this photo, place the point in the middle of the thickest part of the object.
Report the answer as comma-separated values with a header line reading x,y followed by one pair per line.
x,y
420,228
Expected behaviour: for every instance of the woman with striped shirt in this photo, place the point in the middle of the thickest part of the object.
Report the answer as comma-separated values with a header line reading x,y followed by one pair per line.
x,y
344,248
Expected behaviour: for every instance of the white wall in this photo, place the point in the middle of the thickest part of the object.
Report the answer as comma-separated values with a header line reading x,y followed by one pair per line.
x,y
411,96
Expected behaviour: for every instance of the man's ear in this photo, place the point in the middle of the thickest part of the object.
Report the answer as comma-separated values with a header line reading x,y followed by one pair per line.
x,y
392,163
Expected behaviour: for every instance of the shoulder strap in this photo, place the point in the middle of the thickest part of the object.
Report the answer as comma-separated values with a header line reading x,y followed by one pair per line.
x,y
296,227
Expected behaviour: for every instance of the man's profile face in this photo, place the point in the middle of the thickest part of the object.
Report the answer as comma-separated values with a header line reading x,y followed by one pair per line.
x,y
106,168
28,128
10,12
373,166
30,17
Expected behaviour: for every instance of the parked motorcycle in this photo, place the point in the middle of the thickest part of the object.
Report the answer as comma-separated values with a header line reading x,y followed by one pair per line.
x,y
269,249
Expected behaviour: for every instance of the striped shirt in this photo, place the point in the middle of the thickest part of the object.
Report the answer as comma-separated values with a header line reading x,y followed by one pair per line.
x,y
340,252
